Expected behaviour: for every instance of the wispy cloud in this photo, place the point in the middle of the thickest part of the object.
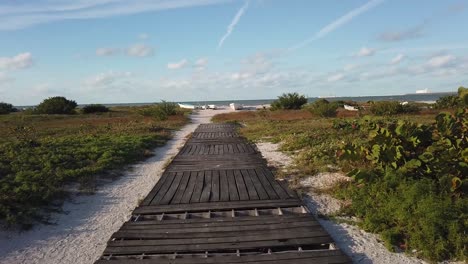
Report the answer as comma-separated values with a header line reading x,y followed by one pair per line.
x,y
233,23
20,61
22,14
105,52
140,50
338,23
365,52
177,65
397,59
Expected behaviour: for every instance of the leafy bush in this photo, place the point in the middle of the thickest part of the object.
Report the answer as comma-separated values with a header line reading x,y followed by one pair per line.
x,y
413,191
324,108
385,108
56,105
289,101
6,108
160,111
95,108
453,101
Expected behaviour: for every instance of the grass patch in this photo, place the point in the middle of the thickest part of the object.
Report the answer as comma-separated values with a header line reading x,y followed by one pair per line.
x,y
42,155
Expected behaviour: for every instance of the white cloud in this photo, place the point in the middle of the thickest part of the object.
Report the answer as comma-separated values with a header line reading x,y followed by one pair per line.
x,y
347,18
177,65
350,67
140,50
201,62
365,52
233,23
106,78
336,77
440,61
16,16
397,59
240,76
104,52
20,61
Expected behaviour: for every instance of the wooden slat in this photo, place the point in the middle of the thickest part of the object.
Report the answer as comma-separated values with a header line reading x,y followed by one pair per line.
x,y
243,195
198,187
224,186
215,186
206,193
305,257
233,194
172,189
190,187
164,188
197,207
182,187
250,186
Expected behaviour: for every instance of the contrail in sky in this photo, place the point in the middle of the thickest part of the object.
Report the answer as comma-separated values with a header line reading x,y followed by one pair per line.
x,y
338,23
233,24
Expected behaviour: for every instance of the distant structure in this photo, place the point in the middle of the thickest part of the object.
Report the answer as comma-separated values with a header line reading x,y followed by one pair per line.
x,y
422,91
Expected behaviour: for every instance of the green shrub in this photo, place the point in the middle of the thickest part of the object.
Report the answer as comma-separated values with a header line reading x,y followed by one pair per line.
x,y
6,108
160,111
413,190
447,102
95,108
290,101
56,105
324,108
386,108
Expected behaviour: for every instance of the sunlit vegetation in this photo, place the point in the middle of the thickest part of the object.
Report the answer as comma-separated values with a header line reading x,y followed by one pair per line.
x,y
289,101
43,158
408,168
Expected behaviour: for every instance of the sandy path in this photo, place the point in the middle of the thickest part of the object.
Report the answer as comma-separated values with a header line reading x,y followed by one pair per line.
x,y
81,235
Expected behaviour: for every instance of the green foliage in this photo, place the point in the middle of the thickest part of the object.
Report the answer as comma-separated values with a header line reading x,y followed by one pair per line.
x,y
6,108
160,111
56,105
415,192
289,101
324,108
453,101
388,108
43,156
95,108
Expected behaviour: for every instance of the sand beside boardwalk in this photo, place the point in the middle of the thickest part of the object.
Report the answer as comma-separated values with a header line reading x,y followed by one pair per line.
x,y
81,235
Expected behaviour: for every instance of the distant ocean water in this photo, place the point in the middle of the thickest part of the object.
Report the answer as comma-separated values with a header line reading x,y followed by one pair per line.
x,y
426,97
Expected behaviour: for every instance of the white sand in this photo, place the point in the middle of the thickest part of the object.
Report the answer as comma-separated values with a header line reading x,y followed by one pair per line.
x,y
361,246
81,235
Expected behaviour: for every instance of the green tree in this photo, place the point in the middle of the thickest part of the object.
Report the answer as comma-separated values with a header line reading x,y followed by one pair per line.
x,y
6,108
289,101
56,105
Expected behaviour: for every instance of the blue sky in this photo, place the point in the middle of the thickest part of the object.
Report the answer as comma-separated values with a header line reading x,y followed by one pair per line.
x,y
117,51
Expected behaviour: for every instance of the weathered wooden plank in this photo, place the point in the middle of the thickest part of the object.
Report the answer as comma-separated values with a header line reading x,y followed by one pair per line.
x,y
243,195
304,257
262,194
197,207
182,187
172,189
215,186
266,184
198,187
155,190
164,188
250,186
217,246
271,178
206,192
233,194
190,187
224,186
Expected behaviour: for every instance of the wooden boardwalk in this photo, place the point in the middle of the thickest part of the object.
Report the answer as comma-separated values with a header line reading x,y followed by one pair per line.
x,y
217,202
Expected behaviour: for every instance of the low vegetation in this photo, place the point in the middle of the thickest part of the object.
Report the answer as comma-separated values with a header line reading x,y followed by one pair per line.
x,y
409,172
94,108
44,158
453,101
324,108
289,101
6,108
161,111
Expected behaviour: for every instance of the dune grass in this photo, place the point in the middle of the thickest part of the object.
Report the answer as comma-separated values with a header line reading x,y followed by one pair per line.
x,y
43,156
